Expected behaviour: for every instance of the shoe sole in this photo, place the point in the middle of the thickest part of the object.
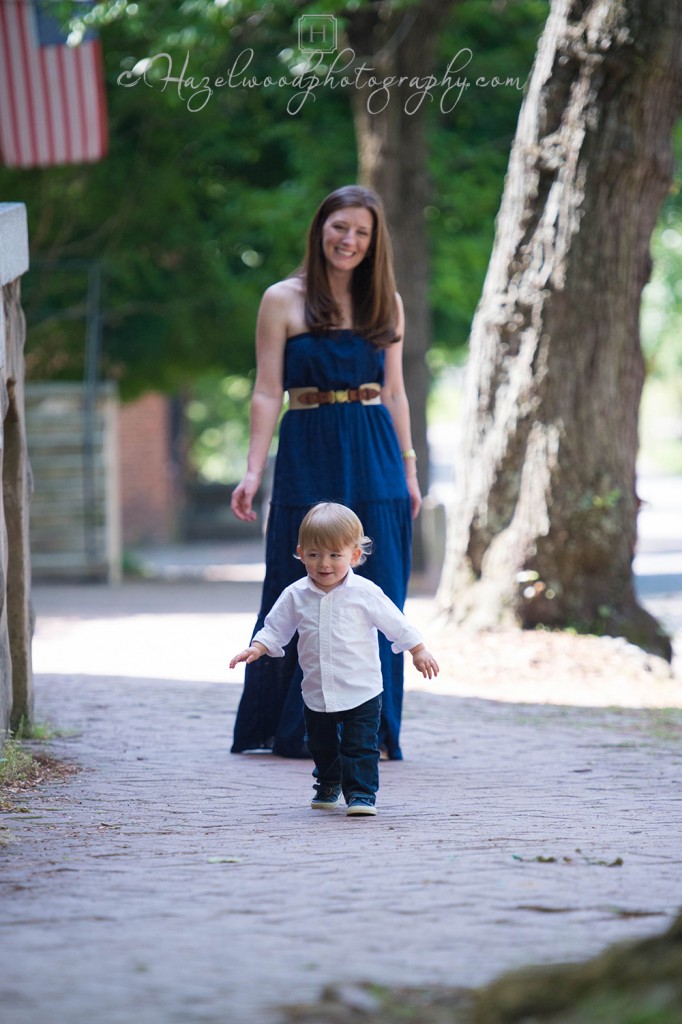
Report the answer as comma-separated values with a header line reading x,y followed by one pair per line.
x,y
361,812
324,806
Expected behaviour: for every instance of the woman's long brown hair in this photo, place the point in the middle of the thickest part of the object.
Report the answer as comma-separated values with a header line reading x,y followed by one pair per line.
x,y
375,311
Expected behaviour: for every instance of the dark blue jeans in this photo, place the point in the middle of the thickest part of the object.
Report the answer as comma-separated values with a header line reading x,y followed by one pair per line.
x,y
344,746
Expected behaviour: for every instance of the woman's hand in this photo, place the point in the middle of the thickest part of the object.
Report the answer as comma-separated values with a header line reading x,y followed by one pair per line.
x,y
412,481
394,397
243,496
415,494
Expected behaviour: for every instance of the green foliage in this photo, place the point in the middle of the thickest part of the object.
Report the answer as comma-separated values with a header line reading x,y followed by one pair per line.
x,y
191,215
661,318
591,502
27,730
218,427
661,330
195,211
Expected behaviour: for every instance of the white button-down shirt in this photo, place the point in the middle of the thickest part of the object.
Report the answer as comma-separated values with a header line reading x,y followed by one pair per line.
x,y
338,646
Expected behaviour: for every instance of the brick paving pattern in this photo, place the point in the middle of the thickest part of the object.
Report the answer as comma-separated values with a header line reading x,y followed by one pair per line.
x,y
170,881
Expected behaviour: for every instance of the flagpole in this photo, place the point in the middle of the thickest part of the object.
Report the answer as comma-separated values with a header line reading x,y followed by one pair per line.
x,y
93,336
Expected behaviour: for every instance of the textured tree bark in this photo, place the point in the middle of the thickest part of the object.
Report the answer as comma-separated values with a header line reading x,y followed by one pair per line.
x,y
393,158
544,527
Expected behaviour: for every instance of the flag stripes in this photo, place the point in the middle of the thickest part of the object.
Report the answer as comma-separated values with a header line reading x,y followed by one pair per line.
x,y
52,105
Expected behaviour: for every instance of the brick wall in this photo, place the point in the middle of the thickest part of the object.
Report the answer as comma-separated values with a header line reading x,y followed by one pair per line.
x,y
149,495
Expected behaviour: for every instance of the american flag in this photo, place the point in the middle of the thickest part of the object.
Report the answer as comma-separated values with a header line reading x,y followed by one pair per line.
x,y
52,106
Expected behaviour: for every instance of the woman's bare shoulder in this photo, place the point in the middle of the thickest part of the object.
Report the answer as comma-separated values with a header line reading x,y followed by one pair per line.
x,y
286,291
285,300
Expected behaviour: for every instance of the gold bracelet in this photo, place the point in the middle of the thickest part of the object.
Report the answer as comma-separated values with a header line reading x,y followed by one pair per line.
x,y
409,453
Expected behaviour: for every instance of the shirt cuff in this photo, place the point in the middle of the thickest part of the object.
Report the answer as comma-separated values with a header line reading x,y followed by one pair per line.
x,y
264,637
408,640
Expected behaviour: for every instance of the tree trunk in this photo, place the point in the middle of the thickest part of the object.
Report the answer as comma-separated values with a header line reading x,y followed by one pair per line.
x,y
393,159
544,527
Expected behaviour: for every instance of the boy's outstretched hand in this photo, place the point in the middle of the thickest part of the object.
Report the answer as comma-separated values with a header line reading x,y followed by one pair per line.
x,y
252,653
424,662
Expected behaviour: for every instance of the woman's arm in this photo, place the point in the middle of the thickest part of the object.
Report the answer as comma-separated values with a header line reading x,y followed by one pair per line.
x,y
268,392
394,398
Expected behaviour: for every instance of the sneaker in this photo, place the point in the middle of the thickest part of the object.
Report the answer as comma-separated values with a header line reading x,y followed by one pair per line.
x,y
326,798
360,806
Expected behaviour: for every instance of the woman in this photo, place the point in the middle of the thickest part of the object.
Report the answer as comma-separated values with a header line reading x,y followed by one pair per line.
x,y
332,335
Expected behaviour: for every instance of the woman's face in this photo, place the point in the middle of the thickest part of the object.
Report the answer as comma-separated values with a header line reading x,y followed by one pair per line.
x,y
346,237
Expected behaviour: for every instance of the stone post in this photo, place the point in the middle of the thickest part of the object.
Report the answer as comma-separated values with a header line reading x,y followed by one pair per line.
x,y
16,674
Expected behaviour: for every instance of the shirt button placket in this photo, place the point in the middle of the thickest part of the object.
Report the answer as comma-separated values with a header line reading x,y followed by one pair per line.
x,y
326,661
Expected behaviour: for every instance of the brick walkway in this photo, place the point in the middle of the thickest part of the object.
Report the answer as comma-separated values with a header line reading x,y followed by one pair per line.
x,y
170,881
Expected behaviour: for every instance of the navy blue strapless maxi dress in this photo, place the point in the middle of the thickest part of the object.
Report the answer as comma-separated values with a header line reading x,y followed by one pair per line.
x,y
347,453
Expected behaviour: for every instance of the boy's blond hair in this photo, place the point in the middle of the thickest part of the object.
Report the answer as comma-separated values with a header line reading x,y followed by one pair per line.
x,y
330,525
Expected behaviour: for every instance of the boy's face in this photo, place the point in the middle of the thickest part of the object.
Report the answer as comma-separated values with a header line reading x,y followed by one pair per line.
x,y
327,567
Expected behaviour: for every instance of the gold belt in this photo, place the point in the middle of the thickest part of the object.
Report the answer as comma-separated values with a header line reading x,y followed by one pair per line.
x,y
313,398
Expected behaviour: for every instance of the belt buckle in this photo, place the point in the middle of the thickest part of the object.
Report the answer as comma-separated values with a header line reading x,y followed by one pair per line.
x,y
371,401
308,391
340,395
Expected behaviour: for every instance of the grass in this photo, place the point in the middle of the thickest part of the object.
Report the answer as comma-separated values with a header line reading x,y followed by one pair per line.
x,y
33,731
18,769
22,769
27,730
655,723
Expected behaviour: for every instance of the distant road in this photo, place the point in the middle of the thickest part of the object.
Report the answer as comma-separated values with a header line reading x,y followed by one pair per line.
x,y
658,563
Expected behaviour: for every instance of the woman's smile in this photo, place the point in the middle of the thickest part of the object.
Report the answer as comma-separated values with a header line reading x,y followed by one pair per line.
x,y
347,236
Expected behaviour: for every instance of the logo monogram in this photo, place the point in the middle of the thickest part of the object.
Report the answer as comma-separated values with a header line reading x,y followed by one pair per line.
x,y
317,32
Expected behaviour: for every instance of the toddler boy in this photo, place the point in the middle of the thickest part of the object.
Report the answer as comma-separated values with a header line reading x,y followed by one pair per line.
x,y
337,615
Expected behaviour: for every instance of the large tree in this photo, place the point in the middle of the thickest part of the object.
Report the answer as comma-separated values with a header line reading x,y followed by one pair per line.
x,y
393,157
544,528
